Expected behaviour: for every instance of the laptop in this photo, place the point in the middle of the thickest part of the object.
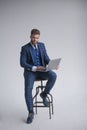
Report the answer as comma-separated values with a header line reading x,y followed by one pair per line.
x,y
53,64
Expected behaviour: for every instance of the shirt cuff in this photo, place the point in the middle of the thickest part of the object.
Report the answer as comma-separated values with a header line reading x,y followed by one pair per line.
x,y
34,68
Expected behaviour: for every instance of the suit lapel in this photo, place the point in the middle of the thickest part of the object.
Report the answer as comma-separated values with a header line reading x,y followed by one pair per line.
x,y
30,48
40,49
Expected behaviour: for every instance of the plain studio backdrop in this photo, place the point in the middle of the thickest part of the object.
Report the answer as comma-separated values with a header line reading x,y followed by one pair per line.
x,y
63,26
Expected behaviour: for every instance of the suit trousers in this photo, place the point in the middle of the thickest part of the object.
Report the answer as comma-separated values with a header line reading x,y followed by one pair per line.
x,y
30,77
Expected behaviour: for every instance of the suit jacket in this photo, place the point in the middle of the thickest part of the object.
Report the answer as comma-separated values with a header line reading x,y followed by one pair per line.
x,y
27,59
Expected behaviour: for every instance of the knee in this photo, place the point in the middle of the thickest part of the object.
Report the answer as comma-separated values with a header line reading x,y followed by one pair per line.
x,y
54,75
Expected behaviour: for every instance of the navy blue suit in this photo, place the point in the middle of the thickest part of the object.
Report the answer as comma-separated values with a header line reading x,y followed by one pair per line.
x,y
27,59
27,62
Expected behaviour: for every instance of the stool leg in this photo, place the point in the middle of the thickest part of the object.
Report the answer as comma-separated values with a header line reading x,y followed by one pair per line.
x,y
49,112
52,109
36,99
52,104
49,107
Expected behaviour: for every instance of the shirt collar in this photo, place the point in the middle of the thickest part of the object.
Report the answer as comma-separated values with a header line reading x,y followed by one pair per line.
x,y
33,45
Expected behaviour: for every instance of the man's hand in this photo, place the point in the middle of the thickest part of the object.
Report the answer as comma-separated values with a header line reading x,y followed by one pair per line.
x,y
40,68
57,67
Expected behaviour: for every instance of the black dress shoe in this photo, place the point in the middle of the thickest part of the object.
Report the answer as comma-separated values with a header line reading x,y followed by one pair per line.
x,y
30,118
45,101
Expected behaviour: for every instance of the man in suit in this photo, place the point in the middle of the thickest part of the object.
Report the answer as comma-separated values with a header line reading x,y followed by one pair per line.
x,y
34,59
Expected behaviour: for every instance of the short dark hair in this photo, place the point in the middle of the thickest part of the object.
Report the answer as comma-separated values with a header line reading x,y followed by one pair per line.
x,y
35,31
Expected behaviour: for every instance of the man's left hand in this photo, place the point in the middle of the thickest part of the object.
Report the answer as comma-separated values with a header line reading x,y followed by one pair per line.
x,y
57,68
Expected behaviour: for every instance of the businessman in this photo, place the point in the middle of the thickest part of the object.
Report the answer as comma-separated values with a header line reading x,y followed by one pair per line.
x,y
34,59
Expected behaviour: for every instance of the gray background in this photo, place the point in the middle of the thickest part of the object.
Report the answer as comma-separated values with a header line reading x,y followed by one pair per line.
x,y
63,26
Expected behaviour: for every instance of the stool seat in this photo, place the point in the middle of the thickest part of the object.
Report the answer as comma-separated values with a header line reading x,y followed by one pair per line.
x,y
38,103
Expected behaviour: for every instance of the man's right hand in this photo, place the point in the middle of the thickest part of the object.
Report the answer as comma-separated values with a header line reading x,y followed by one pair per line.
x,y
40,68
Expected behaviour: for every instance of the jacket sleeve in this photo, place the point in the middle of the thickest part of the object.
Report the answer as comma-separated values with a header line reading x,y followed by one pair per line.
x,y
23,59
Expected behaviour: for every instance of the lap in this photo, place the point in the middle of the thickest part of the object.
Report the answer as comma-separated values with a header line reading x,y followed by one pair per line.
x,y
46,75
39,75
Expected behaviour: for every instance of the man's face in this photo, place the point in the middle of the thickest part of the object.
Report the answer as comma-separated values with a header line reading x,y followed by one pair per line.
x,y
34,38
